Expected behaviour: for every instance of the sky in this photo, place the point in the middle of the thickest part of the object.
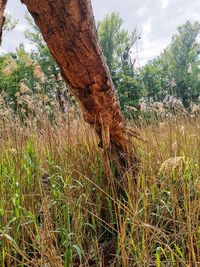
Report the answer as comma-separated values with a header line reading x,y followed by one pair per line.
x,y
156,19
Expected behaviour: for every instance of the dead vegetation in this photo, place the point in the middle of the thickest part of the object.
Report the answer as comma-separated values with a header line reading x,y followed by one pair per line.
x,y
74,220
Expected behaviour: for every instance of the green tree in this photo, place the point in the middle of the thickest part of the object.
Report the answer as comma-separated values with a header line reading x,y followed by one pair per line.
x,y
176,71
15,67
115,41
183,59
10,23
156,79
54,86
116,44
41,52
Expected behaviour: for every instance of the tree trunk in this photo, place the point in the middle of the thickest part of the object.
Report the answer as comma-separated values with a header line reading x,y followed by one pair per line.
x,y
68,27
2,18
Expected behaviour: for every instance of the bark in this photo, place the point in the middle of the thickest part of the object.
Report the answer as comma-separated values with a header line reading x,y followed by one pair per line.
x,y
68,27
2,18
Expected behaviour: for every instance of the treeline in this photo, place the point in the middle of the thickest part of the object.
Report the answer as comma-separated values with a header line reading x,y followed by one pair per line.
x,y
171,79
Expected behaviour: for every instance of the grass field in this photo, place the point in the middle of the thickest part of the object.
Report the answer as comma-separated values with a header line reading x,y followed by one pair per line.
x,y
58,206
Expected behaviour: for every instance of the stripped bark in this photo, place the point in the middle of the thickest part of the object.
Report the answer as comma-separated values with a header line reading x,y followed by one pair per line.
x,y
68,27
2,18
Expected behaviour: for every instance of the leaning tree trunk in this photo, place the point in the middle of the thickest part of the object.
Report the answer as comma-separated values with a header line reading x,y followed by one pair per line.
x,y
68,27
2,18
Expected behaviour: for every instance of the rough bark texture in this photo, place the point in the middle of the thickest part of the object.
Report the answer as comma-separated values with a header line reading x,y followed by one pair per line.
x,y
68,27
2,18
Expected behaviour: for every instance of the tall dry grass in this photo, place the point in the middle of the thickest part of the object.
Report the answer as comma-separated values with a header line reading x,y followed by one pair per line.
x,y
58,205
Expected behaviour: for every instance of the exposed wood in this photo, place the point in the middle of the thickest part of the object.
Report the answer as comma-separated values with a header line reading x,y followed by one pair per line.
x,y
68,27
2,18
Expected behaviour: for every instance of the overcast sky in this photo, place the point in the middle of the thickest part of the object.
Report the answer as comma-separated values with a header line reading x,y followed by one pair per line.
x,y
157,19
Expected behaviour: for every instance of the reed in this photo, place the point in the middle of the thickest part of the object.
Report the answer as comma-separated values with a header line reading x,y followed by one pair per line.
x,y
73,221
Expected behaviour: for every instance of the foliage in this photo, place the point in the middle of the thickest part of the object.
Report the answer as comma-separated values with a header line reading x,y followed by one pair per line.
x,y
183,60
175,74
15,68
176,71
116,44
37,70
9,24
41,54
115,41
58,203
58,206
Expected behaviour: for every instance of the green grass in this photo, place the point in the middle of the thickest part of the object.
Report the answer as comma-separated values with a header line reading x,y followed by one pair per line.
x,y
58,207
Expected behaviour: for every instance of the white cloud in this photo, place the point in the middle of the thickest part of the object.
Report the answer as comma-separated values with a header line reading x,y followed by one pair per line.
x,y
141,11
21,27
147,29
164,3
